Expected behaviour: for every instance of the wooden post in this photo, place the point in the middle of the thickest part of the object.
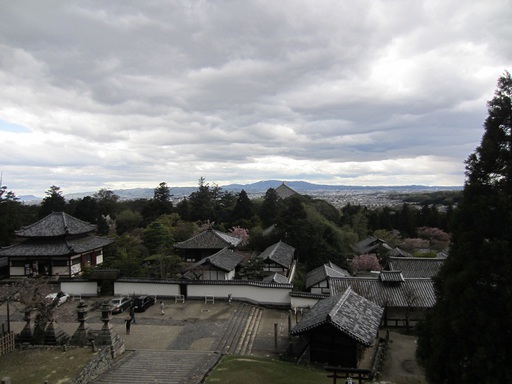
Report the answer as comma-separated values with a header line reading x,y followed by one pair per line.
x,y
275,337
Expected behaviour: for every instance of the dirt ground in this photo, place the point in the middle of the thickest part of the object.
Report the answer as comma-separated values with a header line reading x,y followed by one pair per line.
x,y
400,366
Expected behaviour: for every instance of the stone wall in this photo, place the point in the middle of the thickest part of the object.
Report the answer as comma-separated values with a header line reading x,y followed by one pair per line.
x,y
96,366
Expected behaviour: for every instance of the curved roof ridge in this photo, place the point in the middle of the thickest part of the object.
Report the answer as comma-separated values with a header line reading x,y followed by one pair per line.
x,y
56,224
339,303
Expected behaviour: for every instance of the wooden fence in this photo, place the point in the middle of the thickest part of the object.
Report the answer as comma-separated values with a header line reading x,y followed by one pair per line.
x,y
6,342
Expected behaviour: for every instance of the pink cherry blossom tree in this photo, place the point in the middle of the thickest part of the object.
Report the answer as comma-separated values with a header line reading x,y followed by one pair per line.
x,y
241,233
365,262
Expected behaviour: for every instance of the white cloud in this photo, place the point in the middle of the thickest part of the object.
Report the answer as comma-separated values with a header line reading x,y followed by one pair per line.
x,y
131,93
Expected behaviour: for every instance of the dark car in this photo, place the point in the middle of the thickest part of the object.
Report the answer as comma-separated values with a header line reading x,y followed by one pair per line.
x,y
142,303
119,304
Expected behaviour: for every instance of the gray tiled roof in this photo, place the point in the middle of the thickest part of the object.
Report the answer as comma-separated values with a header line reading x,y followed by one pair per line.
x,y
416,266
56,247
280,253
225,259
369,245
284,191
323,272
275,278
56,224
349,312
391,276
209,239
414,292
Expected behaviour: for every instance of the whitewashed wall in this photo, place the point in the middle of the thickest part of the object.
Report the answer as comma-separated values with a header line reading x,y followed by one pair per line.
x,y
16,271
129,288
62,271
265,294
321,287
79,288
303,302
257,293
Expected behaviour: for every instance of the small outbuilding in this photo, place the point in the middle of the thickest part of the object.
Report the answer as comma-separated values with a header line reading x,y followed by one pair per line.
x,y
205,244
279,257
405,299
317,280
219,266
340,328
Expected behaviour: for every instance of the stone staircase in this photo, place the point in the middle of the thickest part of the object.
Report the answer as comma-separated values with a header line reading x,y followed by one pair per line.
x,y
184,366
160,366
241,331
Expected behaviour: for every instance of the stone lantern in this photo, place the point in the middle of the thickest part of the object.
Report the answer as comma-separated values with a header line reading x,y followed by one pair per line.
x,y
107,336
81,335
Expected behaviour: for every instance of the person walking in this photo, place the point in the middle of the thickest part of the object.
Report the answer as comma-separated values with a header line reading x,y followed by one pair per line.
x,y
162,308
128,322
132,314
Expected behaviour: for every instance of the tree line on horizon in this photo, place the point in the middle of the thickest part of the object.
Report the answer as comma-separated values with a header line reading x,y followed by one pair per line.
x,y
144,228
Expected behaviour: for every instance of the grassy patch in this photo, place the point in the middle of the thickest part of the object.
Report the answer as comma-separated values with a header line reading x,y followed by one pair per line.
x,y
252,370
38,366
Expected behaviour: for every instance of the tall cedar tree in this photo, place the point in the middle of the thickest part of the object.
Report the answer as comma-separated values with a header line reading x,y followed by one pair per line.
x,y
159,205
54,201
9,216
466,337
243,208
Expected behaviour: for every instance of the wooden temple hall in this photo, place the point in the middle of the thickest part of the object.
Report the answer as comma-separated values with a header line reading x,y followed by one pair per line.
x,y
57,245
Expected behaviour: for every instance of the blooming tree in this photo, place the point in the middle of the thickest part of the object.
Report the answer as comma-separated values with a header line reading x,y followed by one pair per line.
x,y
365,262
412,244
241,233
438,239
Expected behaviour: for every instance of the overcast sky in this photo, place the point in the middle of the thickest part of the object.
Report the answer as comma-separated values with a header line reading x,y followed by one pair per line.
x,y
123,94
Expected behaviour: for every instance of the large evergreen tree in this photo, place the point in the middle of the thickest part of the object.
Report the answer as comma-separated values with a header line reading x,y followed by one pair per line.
x,y
243,210
201,203
467,336
159,205
9,215
54,201
270,207
107,202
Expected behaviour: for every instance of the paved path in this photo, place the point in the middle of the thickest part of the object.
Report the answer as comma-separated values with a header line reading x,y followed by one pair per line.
x,y
185,343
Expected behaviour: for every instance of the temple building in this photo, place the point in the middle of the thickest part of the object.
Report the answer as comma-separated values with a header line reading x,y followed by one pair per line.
x,y
57,245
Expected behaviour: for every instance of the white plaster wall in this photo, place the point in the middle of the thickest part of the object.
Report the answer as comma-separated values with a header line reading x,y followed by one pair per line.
x,y
153,289
321,287
79,288
303,302
214,275
63,271
263,295
16,271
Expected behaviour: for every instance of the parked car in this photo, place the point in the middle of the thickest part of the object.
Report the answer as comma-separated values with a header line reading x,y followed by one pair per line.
x,y
63,297
119,304
142,303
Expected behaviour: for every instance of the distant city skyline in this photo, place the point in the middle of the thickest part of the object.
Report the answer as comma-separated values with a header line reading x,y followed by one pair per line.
x,y
130,94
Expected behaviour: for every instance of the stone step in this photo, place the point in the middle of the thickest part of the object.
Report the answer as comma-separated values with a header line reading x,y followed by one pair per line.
x,y
166,367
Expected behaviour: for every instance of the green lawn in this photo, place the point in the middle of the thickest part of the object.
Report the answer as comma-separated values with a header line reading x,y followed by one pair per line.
x,y
35,366
252,370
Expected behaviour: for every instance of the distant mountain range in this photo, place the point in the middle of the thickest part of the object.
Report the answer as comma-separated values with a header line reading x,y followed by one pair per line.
x,y
303,186
259,187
